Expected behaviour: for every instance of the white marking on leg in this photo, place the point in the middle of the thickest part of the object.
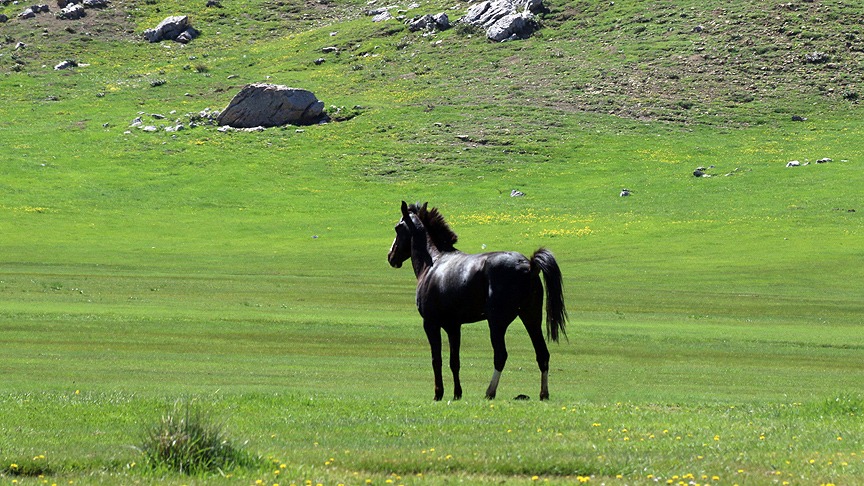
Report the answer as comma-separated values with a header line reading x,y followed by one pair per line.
x,y
493,385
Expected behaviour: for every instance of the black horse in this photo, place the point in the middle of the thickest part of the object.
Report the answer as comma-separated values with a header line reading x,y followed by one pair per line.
x,y
454,288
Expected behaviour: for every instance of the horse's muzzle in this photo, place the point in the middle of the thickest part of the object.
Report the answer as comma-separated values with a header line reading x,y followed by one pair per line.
x,y
394,264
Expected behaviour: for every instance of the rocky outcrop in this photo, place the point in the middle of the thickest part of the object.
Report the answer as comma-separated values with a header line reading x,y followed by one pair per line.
x,y
504,19
271,105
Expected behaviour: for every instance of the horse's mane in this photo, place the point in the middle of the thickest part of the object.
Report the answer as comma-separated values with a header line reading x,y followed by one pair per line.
x,y
437,228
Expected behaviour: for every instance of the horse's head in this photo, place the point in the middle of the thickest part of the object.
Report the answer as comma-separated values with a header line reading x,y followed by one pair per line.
x,y
405,229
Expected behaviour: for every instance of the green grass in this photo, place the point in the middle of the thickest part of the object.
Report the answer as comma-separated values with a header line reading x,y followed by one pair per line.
x,y
715,322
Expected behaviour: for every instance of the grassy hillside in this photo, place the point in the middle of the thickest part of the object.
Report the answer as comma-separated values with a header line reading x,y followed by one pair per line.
x,y
715,321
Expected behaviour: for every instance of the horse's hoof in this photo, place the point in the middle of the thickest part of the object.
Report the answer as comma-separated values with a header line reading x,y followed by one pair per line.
x,y
544,396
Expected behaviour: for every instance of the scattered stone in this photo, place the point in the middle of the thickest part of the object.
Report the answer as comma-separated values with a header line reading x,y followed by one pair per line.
x,y
429,22
625,193
28,13
319,61
328,50
824,160
793,163
20,45
95,3
798,118
150,128
3,18
270,105
516,193
67,64
214,3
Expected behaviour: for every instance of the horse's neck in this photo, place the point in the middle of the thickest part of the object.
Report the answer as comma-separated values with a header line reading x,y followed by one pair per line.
x,y
424,253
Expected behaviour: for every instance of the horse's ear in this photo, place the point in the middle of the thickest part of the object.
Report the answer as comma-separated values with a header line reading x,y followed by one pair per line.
x,y
425,206
405,210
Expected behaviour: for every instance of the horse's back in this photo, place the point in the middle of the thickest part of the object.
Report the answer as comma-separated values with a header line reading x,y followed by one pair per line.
x,y
465,287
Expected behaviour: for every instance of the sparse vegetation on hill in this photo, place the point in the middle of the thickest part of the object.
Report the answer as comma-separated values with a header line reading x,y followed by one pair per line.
x,y
691,62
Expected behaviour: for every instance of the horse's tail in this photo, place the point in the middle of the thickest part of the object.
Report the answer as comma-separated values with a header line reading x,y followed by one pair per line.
x,y
556,314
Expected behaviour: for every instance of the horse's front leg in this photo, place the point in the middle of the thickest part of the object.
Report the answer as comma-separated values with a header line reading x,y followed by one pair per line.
x,y
433,334
454,335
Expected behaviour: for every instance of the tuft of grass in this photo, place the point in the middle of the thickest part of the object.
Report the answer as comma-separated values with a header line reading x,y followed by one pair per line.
x,y
187,440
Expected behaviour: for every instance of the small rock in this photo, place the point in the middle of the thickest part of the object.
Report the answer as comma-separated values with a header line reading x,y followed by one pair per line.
x,y
383,16
327,50
824,160
816,58
67,64
798,118
516,193
625,193
319,61
793,163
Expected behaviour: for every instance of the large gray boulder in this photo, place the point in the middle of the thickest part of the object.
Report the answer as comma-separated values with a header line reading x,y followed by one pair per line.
x,y
271,105
503,19
176,28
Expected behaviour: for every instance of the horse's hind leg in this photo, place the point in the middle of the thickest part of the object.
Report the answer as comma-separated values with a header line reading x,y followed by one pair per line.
x,y
497,329
532,318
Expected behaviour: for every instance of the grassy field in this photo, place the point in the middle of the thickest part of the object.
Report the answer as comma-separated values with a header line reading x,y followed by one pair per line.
x,y
715,333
